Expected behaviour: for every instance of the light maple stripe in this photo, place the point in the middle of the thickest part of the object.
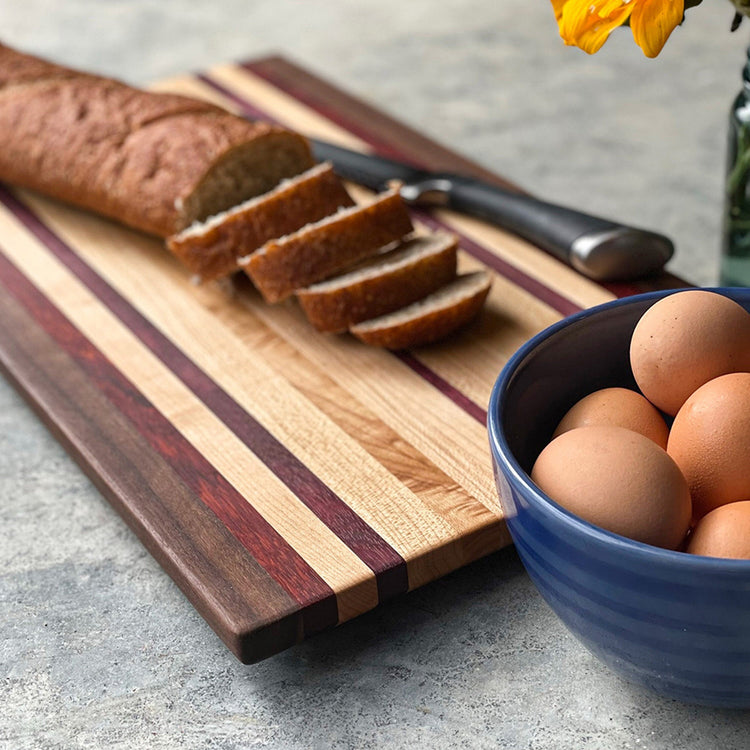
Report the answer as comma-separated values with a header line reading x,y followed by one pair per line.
x,y
463,400
342,570
556,301
580,292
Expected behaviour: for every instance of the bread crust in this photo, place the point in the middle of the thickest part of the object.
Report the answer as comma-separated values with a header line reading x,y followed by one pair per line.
x,y
321,250
211,250
428,324
386,288
135,156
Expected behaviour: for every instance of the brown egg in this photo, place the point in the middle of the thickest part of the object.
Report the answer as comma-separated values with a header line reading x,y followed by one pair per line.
x,y
620,407
724,532
619,480
710,441
683,341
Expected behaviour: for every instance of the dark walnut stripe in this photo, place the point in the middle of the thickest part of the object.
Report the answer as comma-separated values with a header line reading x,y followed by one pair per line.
x,y
387,565
100,419
283,563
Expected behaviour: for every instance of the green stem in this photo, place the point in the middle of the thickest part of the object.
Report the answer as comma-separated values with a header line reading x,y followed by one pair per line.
x,y
737,178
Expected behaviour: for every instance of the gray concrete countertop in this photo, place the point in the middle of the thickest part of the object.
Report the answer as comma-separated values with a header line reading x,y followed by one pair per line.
x,y
100,649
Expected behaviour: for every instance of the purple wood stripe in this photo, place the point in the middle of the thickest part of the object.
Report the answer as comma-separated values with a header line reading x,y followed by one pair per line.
x,y
518,277
464,402
246,107
268,548
469,406
388,566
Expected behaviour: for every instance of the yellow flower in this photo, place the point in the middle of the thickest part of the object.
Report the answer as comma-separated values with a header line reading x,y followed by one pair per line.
x,y
588,23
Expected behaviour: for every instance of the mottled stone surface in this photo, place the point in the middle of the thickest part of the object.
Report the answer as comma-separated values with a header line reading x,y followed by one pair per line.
x,y
99,649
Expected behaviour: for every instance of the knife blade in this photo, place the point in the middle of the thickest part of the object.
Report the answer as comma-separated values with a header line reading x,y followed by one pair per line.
x,y
599,248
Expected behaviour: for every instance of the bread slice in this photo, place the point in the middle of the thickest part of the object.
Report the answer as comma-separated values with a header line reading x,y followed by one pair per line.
x,y
157,162
210,249
429,319
322,249
417,267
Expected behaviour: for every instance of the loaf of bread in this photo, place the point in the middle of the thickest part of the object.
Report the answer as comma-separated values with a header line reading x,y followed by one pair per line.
x,y
156,162
210,249
324,248
430,319
229,194
382,284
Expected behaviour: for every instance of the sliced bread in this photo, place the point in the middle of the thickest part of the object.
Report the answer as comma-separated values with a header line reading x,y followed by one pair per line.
x,y
392,280
429,319
322,249
210,249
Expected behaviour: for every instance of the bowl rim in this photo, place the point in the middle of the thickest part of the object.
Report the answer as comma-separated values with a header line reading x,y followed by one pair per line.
x,y
510,466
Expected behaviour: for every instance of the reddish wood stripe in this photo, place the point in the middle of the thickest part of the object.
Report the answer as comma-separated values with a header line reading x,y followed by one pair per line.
x,y
649,284
388,566
281,561
310,95
356,115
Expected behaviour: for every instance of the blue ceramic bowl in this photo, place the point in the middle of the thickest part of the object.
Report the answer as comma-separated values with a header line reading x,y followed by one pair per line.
x,y
676,623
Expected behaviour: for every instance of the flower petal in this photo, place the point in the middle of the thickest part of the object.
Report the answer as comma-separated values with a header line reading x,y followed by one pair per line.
x,y
588,23
653,21
557,7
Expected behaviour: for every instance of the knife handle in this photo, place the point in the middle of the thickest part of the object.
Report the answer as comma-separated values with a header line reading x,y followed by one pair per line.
x,y
599,248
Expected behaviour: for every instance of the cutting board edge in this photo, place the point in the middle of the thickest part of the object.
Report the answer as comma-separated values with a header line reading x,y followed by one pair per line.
x,y
249,642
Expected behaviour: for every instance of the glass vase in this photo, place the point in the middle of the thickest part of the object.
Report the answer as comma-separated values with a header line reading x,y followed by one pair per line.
x,y
735,252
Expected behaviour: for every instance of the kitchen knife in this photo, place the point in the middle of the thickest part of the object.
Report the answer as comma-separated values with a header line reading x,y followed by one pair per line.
x,y
598,248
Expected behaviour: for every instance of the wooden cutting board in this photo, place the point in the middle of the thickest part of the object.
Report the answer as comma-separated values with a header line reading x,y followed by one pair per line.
x,y
286,480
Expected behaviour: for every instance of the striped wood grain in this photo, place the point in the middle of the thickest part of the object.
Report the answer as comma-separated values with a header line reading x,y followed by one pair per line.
x,y
285,479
